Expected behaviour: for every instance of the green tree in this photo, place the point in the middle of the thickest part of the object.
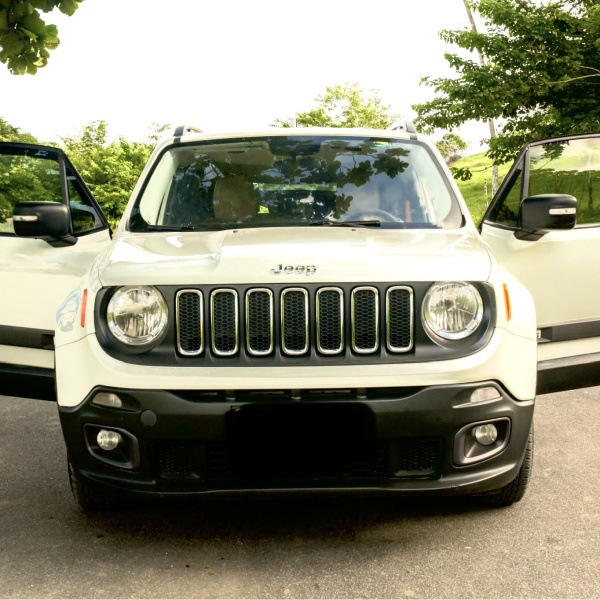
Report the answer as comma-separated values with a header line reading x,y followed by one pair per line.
x,y
110,170
451,147
157,131
540,77
8,133
343,106
25,38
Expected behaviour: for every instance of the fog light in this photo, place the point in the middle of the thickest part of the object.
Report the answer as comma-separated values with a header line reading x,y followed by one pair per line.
x,y
486,434
108,440
107,399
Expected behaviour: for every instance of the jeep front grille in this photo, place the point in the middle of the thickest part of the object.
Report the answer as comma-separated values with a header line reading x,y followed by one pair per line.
x,y
330,320
365,320
259,322
399,316
190,322
294,321
224,322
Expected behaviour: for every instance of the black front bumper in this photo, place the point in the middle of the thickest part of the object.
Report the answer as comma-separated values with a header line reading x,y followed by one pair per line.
x,y
412,440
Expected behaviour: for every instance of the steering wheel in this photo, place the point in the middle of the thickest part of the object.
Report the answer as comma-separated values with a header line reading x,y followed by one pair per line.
x,y
373,214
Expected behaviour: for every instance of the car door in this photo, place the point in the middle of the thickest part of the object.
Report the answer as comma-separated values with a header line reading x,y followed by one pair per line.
x,y
544,227
36,276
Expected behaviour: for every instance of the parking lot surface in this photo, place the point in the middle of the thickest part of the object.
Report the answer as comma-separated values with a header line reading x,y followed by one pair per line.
x,y
547,545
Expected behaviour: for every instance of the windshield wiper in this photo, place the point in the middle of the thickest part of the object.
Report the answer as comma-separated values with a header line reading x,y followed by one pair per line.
x,y
175,228
373,223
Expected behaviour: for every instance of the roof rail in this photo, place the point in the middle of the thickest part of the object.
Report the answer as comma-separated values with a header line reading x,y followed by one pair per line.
x,y
407,126
183,129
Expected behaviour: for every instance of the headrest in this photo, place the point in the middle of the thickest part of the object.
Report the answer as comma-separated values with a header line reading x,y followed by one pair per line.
x,y
234,199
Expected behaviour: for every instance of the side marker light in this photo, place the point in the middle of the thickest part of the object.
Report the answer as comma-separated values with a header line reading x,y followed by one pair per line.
x,y
507,302
83,307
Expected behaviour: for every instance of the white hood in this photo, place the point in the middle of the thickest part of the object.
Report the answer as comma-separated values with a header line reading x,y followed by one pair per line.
x,y
248,256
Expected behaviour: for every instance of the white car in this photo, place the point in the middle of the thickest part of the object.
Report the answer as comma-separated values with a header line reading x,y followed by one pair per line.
x,y
314,309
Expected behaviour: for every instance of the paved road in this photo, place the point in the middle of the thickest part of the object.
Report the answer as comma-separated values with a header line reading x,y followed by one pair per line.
x,y
548,545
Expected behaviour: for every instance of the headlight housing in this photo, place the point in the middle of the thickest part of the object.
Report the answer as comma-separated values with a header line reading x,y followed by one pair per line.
x,y
452,310
137,315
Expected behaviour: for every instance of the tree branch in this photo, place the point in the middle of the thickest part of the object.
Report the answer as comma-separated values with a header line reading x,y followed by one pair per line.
x,y
595,74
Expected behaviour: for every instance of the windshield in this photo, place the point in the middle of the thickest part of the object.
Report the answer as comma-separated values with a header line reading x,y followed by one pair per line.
x,y
280,181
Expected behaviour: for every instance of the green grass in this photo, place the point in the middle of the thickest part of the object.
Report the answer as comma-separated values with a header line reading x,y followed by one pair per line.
x,y
473,191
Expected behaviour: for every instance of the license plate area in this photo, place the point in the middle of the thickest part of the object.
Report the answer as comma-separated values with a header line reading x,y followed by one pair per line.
x,y
296,441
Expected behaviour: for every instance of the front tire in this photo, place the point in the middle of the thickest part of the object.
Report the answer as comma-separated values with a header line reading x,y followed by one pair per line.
x,y
90,498
515,490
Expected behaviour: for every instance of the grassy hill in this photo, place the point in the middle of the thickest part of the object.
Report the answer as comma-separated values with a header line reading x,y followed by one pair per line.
x,y
473,191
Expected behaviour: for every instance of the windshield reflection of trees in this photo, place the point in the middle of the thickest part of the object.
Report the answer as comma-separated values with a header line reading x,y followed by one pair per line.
x,y
309,179
325,172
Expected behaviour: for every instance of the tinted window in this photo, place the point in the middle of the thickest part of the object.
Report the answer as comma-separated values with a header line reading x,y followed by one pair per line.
x,y
30,175
33,174
506,211
282,181
84,215
569,167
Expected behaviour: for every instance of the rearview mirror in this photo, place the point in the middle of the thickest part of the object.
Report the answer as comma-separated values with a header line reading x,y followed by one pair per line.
x,y
544,213
48,221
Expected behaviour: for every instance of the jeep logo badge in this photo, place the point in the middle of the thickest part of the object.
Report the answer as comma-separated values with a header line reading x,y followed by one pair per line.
x,y
298,269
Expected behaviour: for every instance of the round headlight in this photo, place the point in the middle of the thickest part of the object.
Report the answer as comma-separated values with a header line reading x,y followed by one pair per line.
x,y
452,311
137,315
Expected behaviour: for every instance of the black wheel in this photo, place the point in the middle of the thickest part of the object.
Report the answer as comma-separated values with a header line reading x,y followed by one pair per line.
x,y
515,490
90,498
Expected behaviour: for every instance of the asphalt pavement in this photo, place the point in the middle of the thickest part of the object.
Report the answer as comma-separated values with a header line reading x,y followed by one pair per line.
x,y
546,546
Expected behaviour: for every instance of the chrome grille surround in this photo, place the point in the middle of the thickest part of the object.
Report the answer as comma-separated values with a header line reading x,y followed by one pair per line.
x,y
294,323
279,321
255,332
188,328
225,333
397,331
330,320
358,329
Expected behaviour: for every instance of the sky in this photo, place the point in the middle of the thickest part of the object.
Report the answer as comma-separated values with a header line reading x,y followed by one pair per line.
x,y
227,65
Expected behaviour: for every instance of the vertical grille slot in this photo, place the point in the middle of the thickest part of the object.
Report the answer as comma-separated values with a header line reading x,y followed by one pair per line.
x,y
330,320
259,322
399,313
294,321
224,320
190,322
365,320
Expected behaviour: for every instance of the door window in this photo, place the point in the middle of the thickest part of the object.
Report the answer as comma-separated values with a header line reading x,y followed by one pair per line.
x,y
506,211
27,175
34,174
84,214
569,167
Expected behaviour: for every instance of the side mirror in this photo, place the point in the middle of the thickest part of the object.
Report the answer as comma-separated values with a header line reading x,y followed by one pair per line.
x,y
48,221
544,213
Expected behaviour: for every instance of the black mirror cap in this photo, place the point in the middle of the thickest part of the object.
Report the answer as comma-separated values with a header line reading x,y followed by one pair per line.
x,y
546,212
48,221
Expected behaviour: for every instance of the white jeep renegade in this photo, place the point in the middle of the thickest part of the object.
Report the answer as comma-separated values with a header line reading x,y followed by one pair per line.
x,y
314,309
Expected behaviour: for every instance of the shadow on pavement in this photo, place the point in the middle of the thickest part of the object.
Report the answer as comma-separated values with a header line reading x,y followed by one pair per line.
x,y
278,517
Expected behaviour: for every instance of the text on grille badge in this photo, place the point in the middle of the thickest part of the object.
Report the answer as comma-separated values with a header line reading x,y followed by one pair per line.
x,y
298,269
